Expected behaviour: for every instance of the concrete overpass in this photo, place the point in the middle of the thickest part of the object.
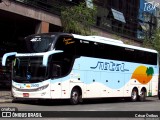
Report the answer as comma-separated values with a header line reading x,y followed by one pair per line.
x,y
18,20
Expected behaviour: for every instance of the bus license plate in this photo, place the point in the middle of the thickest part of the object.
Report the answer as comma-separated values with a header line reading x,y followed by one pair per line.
x,y
25,94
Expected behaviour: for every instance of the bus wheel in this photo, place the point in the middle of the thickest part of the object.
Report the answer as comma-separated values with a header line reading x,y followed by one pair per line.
x,y
74,99
134,95
142,96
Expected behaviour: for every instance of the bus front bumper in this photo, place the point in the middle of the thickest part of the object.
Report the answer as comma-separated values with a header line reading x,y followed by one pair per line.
x,y
32,93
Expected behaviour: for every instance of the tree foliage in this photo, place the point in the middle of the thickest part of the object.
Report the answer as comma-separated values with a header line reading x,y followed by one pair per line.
x,y
78,19
153,42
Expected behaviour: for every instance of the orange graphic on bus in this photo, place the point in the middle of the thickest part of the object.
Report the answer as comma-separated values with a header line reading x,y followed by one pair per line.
x,y
143,74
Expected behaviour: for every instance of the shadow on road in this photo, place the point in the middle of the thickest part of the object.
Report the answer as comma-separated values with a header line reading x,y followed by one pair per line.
x,y
47,102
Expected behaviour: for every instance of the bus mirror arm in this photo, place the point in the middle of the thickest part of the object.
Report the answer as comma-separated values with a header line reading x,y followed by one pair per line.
x,y
5,56
46,56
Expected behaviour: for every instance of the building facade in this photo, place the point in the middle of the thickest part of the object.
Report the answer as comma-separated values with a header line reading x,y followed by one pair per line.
x,y
148,18
119,17
129,19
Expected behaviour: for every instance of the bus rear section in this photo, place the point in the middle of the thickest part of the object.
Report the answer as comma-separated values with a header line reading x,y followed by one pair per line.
x,y
159,88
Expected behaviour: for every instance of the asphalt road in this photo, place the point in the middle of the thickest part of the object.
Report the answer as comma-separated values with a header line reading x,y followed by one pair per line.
x,y
105,105
151,104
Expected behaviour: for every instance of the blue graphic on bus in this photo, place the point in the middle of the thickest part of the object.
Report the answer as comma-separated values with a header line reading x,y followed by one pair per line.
x,y
110,66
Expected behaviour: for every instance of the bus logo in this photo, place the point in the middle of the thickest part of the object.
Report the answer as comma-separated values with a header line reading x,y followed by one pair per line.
x,y
28,77
110,66
28,86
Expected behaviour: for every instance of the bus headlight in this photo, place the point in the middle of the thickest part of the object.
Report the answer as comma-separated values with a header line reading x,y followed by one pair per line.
x,y
14,88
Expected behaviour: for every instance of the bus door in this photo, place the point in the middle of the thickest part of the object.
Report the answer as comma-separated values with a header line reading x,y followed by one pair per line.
x,y
153,86
55,89
55,81
159,87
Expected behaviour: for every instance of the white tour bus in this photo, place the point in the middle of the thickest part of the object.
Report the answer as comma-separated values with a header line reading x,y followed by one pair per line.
x,y
75,67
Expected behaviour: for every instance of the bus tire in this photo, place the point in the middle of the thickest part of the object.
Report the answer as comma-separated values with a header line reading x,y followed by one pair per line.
x,y
142,96
134,95
74,99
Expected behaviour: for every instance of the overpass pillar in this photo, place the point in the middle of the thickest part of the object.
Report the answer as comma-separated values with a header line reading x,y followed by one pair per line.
x,y
42,27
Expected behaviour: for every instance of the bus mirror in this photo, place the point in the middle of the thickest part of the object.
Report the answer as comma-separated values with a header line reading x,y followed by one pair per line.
x,y
5,56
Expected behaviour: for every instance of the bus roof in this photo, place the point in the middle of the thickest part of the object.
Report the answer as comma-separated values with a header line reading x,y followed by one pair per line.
x,y
111,42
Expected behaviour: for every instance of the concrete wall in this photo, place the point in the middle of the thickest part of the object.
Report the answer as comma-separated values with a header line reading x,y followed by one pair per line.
x,y
42,27
30,12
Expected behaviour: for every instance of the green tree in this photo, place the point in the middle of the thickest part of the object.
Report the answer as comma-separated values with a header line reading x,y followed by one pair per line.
x,y
156,40
153,42
78,19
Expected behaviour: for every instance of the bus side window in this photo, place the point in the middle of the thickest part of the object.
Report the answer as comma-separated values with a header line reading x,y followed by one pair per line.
x,y
84,48
67,44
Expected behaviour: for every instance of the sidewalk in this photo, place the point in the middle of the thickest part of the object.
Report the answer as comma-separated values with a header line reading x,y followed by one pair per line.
x,y
5,96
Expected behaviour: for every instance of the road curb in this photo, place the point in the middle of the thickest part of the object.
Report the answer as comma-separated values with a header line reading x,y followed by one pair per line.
x,y
5,96
6,100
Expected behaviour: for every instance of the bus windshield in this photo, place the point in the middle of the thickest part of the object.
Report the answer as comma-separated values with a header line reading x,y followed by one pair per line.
x,y
40,43
29,69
